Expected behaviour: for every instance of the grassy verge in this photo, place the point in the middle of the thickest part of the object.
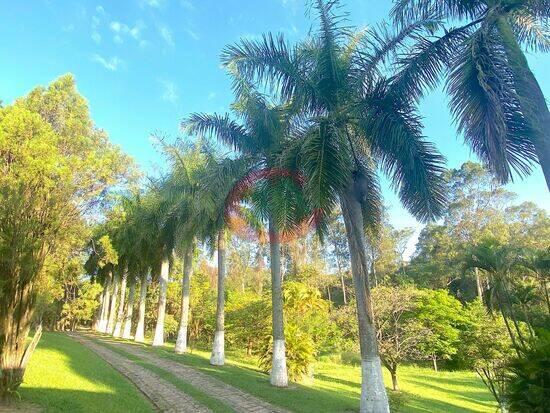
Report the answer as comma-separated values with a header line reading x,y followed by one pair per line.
x,y
64,376
336,387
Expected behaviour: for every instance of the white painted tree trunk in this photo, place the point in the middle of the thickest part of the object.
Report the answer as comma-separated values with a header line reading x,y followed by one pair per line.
x,y
279,374
105,308
373,392
218,346
181,342
99,310
117,332
158,339
112,310
127,330
140,328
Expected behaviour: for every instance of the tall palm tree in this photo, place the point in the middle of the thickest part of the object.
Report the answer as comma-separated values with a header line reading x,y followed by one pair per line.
x,y
352,121
495,98
538,261
259,140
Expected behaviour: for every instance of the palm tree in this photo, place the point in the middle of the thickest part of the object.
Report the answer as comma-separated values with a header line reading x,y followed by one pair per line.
x,y
352,121
259,140
538,262
495,98
497,261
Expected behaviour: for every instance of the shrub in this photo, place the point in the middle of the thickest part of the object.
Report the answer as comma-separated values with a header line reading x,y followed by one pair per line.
x,y
529,382
300,353
351,358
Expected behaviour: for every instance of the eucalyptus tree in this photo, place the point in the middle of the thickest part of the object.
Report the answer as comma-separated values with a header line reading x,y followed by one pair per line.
x,y
495,98
259,139
352,121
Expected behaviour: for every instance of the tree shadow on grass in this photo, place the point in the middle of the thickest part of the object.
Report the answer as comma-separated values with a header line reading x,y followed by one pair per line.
x,y
110,391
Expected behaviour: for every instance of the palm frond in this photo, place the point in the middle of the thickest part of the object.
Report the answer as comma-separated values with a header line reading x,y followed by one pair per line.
x,y
486,108
531,32
222,128
394,132
421,68
405,12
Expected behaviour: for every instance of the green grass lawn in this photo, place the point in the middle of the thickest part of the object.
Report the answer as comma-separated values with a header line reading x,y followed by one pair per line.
x,y
64,376
336,387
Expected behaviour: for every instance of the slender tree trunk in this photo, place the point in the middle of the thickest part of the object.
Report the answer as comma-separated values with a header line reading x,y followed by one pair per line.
x,y
393,373
105,305
373,393
117,332
434,361
531,98
16,309
158,339
112,310
218,348
479,285
127,330
140,329
181,342
279,374
546,295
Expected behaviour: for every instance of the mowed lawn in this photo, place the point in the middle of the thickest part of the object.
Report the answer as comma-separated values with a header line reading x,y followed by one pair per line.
x,y
336,387
65,376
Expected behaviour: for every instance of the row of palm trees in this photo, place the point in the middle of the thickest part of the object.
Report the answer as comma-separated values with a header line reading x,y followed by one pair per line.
x,y
333,109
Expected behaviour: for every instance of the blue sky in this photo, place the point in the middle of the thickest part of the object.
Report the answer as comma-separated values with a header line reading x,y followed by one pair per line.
x,y
145,64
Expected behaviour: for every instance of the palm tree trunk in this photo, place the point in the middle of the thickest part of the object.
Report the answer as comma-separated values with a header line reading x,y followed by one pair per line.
x,y
181,342
105,305
120,315
99,310
158,339
112,310
140,329
127,330
218,348
279,374
373,393
531,98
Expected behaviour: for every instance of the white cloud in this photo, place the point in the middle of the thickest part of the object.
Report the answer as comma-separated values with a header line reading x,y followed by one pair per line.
x,y
143,43
212,95
192,33
96,37
169,91
112,64
186,4
156,4
100,10
166,34
122,29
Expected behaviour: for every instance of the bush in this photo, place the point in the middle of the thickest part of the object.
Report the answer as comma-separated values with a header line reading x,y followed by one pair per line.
x,y
351,358
170,327
529,382
300,353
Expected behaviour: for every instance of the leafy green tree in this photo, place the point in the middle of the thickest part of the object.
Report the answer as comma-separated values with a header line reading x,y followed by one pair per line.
x,y
353,119
494,96
56,168
399,331
441,316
